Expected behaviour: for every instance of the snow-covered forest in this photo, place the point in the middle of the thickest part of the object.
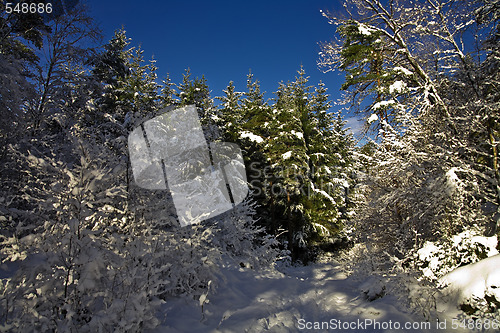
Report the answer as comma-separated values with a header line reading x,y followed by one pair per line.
x,y
400,223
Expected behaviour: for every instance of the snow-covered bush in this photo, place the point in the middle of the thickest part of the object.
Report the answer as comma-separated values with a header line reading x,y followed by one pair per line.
x,y
474,288
382,275
435,259
78,264
241,238
192,255
91,261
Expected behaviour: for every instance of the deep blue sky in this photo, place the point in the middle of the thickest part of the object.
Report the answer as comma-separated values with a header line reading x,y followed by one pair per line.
x,y
224,39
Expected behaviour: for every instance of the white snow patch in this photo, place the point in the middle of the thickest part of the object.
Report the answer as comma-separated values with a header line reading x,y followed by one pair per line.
x,y
474,280
452,181
287,155
341,181
427,253
323,193
397,87
364,30
402,70
372,118
300,135
382,104
280,300
251,136
489,243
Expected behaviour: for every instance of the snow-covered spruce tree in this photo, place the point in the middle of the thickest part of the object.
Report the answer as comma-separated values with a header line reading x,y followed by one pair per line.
x,y
245,119
110,68
183,259
130,91
256,111
128,97
196,92
286,151
139,90
329,148
167,93
230,120
307,184
187,258
431,180
255,120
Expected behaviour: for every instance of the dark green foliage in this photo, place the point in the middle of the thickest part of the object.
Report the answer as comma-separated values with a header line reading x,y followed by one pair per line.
x,y
297,156
362,55
130,86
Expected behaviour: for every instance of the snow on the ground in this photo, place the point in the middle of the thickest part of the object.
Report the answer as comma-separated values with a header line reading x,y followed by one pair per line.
x,y
290,299
474,280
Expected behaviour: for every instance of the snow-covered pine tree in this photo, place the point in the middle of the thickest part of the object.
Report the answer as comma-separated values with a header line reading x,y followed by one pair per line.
x,y
109,68
389,77
255,120
230,120
256,111
287,154
130,90
329,149
139,89
196,92
167,93
362,58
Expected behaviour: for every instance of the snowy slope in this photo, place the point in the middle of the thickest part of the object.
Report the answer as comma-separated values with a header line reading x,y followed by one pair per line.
x,y
285,301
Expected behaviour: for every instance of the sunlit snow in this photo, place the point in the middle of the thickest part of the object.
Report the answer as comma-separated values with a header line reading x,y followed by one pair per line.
x,y
287,155
251,136
474,280
364,30
372,118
